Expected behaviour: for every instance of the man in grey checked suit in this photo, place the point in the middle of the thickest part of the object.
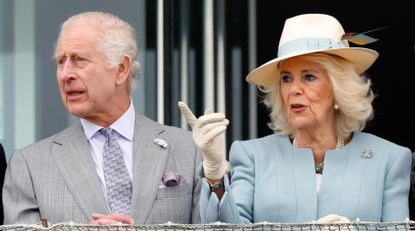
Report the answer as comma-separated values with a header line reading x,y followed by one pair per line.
x,y
61,178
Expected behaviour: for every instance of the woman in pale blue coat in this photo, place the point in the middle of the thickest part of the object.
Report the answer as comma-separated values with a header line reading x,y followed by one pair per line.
x,y
318,166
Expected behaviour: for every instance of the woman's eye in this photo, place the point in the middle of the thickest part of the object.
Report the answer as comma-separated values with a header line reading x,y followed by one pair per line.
x,y
285,78
310,77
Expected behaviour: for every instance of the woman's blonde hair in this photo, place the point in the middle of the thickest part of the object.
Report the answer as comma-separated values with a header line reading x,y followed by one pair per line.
x,y
352,93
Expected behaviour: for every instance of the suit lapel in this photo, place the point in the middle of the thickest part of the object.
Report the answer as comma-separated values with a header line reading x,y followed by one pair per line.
x,y
73,158
149,160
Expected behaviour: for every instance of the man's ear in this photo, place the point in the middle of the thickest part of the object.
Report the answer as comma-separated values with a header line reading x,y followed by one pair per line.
x,y
124,69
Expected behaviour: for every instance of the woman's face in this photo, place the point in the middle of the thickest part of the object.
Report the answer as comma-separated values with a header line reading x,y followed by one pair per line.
x,y
307,93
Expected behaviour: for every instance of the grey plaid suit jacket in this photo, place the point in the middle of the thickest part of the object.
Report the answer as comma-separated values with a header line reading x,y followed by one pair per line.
x,y
56,179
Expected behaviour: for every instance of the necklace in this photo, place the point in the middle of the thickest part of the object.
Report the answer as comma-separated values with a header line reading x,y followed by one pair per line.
x,y
340,142
319,167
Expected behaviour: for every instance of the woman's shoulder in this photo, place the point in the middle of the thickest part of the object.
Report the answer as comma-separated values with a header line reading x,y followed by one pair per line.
x,y
258,148
271,138
377,142
271,141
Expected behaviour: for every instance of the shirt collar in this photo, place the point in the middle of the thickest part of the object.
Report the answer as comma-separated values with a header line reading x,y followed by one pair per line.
x,y
123,125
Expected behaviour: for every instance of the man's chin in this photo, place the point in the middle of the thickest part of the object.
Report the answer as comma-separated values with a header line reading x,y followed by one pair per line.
x,y
78,112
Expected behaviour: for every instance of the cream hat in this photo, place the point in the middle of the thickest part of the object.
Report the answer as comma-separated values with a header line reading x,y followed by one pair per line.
x,y
311,33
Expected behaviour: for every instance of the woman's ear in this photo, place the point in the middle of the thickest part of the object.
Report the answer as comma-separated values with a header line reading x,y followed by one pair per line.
x,y
124,69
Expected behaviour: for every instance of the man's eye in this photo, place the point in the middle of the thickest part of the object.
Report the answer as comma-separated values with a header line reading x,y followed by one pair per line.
x,y
60,61
79,59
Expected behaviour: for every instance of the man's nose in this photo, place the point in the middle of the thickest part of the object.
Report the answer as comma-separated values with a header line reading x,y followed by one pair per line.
x,y
66,71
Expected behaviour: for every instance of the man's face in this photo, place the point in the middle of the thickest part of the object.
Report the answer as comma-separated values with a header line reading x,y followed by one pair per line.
x,y
87,85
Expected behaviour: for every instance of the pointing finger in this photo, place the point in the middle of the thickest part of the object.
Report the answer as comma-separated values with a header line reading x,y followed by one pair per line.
x,y
187,113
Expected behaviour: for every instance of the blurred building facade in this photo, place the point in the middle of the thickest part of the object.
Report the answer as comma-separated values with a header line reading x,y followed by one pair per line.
x,y
198,51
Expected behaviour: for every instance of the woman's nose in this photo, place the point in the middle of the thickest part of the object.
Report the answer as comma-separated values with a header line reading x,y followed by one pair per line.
x,y
296,88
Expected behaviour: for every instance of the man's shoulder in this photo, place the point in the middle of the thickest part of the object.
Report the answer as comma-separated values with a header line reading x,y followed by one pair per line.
x,y
45,143
168,129
37,147
177,135
174,129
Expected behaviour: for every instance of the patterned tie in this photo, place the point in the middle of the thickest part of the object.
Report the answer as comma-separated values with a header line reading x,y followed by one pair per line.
x,y
119,187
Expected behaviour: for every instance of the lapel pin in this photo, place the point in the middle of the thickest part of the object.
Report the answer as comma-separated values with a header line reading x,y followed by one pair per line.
x,y
160,142
367,154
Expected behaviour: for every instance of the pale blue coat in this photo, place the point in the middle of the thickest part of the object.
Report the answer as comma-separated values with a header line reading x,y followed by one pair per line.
x,y
272,181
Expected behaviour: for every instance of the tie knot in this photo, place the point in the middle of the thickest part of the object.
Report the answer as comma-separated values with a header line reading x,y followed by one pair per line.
x,y
107,132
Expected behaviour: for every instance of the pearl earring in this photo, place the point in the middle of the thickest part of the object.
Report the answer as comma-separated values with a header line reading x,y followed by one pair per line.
x,y
336,107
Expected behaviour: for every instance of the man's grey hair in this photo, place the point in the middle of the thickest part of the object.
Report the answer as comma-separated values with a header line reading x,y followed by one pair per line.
x,y
118,39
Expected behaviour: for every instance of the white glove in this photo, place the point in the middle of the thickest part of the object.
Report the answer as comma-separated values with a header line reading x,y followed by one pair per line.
x,y
335,219
207,134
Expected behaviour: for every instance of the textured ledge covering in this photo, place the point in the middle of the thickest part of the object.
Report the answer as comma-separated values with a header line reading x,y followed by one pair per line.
x,y
354,226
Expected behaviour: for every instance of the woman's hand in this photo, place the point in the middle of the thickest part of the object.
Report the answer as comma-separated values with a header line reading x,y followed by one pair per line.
x,y
335,219
207,131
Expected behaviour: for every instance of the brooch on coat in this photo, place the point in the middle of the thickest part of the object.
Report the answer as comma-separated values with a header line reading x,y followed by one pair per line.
x,y
367,153
160,142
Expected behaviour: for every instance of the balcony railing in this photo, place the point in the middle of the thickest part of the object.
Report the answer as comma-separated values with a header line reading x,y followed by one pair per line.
x,y
312,226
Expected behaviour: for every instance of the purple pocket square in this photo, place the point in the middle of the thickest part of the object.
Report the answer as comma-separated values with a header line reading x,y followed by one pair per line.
x,y
172,179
